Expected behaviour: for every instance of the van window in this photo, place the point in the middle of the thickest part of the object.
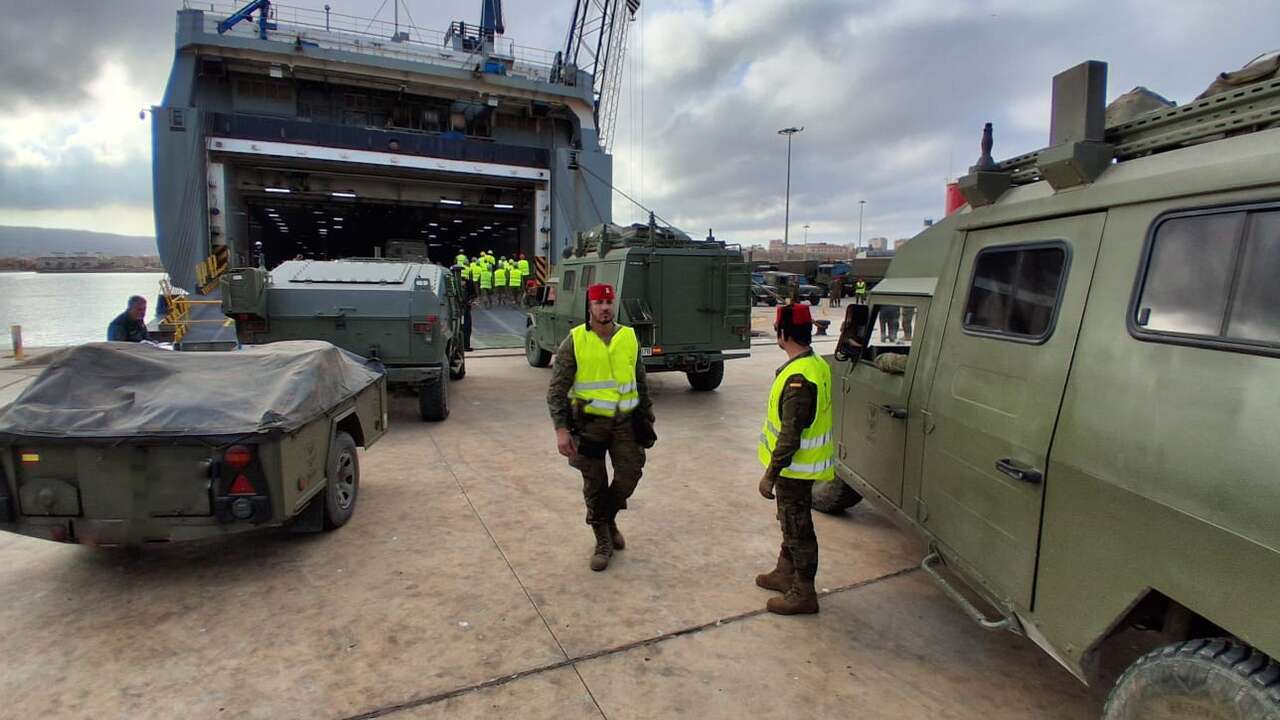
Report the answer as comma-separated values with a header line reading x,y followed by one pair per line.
x,y
588,275
1015,290
887,343
1212,276
567,283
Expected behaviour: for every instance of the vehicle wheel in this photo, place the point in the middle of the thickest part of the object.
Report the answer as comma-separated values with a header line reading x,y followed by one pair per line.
x,y
536,356
344,482
773,302
834,497
709,379
458,364
1216,679
433,400
815,300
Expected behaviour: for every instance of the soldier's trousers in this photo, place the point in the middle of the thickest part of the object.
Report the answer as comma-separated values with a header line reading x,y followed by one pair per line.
x,y
799,543
596,438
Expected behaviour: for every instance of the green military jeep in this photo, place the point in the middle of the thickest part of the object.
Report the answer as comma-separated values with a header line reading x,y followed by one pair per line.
x,y
689,301
1070,391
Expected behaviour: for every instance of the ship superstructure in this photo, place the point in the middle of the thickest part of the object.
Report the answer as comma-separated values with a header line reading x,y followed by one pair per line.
x,y
289,132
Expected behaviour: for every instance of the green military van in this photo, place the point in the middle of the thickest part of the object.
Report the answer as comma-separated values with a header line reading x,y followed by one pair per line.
x,y
688,300
1070,390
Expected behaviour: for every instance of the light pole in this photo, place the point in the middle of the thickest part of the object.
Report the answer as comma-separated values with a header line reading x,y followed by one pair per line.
x,y
860,204
806,241
786,221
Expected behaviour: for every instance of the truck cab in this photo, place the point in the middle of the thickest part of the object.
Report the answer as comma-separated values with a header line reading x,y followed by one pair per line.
x,y
1068,391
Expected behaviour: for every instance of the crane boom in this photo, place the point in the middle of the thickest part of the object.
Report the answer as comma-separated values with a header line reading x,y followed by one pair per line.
x,y
597,43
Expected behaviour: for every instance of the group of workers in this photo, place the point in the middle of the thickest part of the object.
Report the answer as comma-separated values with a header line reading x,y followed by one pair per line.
x,y
600,406
497,280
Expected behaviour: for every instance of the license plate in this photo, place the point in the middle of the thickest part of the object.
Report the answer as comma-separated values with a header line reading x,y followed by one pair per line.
x,y
646,352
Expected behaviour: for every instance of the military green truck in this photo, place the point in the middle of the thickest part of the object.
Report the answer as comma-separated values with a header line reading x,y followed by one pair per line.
x,y
1080,418
688,300
406,315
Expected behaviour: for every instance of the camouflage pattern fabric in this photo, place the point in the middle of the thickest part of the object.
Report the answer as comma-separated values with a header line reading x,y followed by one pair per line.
x,y
799,542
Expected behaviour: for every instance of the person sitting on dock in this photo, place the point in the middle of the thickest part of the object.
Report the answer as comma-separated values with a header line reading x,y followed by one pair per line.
x,y
130,325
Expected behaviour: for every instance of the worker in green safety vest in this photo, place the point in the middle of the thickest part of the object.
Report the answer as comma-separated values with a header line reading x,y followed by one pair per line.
x,y
515,281
461,259
500,285
523,265
486,285
796,451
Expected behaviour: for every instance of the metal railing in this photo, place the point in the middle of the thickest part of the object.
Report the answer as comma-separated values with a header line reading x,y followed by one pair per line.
x,y
178,314
371,36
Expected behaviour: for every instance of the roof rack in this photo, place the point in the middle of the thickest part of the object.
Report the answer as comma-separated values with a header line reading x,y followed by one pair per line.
x,y
602,238
1080,153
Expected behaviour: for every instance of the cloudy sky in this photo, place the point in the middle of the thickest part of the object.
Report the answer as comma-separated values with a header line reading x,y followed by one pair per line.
x,y
892,96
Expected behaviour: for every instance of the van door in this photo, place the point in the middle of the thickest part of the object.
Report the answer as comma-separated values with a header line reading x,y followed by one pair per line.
x,y
686,322
876,387
1006,350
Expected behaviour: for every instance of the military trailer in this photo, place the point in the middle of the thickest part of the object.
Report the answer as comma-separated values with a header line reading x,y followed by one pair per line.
x,y
127,443
1081,418
406,315
688,300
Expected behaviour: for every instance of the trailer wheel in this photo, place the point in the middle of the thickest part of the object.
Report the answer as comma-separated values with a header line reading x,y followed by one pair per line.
x,y
433,399
1217,679
344,482
536,356
457,363
708,379
834,496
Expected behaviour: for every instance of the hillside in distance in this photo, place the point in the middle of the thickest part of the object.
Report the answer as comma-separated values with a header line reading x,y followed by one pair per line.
x,y
29,242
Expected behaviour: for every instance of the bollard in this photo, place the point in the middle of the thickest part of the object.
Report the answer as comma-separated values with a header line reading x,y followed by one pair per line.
x,y
15,335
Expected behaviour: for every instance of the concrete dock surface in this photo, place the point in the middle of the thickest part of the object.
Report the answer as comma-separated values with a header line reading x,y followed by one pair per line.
x,y
460,589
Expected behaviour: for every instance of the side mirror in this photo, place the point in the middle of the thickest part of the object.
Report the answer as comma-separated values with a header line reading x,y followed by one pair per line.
x,y
857,318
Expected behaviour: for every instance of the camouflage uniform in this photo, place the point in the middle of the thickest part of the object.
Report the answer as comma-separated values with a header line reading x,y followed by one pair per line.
x,y
798,407
595,435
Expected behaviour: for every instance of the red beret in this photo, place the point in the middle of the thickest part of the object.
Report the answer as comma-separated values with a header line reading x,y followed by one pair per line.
x,y
799,314
600,291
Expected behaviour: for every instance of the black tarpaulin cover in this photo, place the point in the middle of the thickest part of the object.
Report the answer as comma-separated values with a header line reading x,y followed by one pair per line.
x,y
134,391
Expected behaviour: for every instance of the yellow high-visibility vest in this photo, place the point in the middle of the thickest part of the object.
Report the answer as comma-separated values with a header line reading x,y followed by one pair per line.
x,y
524,266
500,277
514,277
605,382
486,279
461,259
816,458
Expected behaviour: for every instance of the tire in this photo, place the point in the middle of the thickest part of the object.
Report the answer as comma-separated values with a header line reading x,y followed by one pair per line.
x,y
536,356
709,379
772,302
834,497
1214,679
458,364
433,400
343,488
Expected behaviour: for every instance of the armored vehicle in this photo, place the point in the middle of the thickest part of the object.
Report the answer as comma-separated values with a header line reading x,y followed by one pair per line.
x,y
1080,419
127,443
688,300
406,315
782,282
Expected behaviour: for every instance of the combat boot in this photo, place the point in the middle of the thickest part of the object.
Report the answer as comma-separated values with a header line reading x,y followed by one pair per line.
x,y
604,547
619,542
781,578
801,599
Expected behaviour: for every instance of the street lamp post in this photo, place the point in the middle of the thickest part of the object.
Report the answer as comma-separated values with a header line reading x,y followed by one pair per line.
x,y
861,203
786,221
806,241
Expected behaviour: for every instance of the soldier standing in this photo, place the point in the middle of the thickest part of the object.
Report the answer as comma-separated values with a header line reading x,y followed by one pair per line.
x,y
860,291
796,451
599,403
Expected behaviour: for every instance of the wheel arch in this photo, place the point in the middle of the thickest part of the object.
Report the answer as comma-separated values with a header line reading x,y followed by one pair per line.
x,y
1152,621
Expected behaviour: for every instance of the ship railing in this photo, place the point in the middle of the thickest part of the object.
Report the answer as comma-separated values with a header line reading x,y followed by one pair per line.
x,y
369,36
178,317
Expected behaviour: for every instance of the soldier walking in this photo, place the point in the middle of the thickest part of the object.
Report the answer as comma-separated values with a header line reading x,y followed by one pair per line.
x,y
599,403
796,451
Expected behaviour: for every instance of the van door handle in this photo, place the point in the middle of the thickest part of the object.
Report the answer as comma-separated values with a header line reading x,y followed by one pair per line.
x,y
896,411
1017,472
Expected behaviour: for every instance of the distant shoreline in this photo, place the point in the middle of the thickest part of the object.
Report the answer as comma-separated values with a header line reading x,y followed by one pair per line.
x,y
99,270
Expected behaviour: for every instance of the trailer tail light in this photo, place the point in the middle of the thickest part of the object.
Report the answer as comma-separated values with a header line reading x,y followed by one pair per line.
x,y
238,457
425,327
241,486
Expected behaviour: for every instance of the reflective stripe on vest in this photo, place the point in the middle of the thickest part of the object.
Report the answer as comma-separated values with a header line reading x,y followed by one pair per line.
x,y
816,458
486,279
500,277
605,382
514,276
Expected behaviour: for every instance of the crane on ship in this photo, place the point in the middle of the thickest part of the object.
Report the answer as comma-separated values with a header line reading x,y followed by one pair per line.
x,y
597,43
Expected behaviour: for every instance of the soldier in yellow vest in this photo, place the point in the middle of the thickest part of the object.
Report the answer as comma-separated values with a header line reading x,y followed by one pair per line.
x,y
599,403
523,265
486,285
500,285
515,280
796,451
